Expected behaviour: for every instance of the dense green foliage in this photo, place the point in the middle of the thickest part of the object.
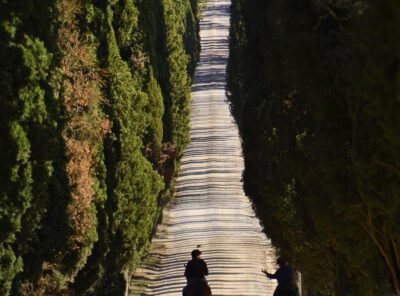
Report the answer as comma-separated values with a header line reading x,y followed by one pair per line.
x,y
93,121
314,87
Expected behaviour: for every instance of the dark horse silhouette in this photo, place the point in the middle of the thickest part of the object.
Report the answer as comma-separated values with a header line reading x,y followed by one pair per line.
x,y
198,288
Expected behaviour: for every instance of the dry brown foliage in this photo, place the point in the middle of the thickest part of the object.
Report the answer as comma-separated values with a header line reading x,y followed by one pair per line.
x,y
163,159
85,126
48,284
138,60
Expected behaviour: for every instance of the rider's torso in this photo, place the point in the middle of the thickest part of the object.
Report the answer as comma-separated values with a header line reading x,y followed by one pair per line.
x,y
196,269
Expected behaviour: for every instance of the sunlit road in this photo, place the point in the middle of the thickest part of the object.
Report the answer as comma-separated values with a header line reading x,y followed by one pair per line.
x,y
210,209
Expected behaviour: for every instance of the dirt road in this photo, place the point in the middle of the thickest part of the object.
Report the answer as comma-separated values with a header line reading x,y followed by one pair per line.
x,y
210,210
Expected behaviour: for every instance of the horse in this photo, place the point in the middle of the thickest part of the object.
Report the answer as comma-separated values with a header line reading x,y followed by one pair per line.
x,y
198,288
286,291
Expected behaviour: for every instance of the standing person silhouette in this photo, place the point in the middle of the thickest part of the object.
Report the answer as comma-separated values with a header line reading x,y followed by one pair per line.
x,y
196,271
284,276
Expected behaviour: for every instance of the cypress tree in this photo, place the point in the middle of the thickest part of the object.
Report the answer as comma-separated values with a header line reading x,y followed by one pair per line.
x,y
86,90
319,156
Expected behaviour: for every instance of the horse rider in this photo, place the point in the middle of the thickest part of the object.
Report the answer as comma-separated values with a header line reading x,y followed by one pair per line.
x,y
284,276
196,269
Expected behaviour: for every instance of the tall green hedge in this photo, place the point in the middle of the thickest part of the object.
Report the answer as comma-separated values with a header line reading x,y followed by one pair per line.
x,y
314,87
80,225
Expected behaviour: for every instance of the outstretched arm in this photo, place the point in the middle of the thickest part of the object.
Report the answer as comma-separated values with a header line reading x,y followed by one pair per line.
x,y
270,275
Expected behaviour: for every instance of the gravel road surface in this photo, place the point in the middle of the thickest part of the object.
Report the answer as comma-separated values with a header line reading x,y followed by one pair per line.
x,y
210,211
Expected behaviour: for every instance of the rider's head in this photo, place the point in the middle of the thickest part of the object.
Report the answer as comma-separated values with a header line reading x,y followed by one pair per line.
x,y
195,253
281,262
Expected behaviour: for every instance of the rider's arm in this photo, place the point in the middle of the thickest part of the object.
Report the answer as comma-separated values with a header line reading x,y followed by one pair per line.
x,y
205,268
270,275
186,270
